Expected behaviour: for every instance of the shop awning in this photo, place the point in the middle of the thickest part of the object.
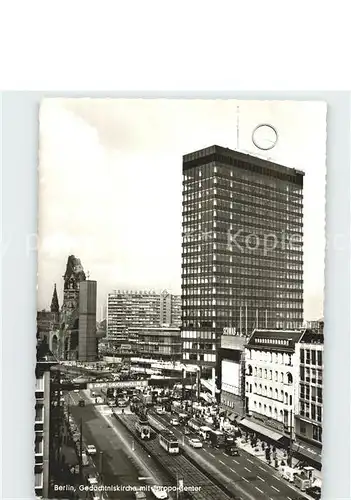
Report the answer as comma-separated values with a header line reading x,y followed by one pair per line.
x,y
260,429
309,451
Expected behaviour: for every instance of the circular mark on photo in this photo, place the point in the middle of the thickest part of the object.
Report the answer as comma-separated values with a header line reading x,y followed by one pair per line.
x,y
265,136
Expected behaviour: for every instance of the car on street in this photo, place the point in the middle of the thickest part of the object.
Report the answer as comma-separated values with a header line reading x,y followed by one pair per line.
x,y
174,421
231,450
140,495
314,492
76,390
195,443
122,402
91,450
81,402
159,410
85,459
159,492
92,480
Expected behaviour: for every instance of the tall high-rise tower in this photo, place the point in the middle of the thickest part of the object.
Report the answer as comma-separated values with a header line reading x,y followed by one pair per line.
x,y
242,253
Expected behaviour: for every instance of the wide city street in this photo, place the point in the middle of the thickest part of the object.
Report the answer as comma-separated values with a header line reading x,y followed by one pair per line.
x,y
121,460
245,472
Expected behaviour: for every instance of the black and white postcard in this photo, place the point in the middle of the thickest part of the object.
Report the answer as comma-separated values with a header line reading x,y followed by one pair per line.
x,y
180,299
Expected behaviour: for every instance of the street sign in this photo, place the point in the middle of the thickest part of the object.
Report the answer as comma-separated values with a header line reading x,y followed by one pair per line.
x,y
125,384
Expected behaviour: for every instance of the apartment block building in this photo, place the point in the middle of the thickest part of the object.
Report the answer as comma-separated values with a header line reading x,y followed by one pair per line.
x,y
43,424
271,383
170,309
140,309
309,400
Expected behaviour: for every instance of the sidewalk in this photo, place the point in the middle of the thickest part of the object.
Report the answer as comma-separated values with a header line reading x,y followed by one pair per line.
x,y
281,455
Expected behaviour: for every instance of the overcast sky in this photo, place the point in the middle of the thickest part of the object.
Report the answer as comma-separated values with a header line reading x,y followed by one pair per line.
x,y
110,179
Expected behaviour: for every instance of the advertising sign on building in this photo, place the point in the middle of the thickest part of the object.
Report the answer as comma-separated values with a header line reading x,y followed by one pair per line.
x,y
126,384
231,377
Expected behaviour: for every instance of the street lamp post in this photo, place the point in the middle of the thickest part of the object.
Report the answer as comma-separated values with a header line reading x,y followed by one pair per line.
x,y
101,457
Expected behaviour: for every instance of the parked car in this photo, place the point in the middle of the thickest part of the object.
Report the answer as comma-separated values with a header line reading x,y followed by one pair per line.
x,y
92,480
195,443
314,492
140,495
231,450
159,492
91,450
85,459
174,421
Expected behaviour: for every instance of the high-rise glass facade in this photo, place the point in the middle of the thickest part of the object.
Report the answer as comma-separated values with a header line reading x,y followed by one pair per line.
x,y
242,253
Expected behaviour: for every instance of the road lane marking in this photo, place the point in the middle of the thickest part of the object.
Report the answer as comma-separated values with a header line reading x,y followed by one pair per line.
x,y
220,461
264,470
233,470
244,478
276,489
236,461
225,454
289,498
260,478
212,455
250,460
248,470
259,490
